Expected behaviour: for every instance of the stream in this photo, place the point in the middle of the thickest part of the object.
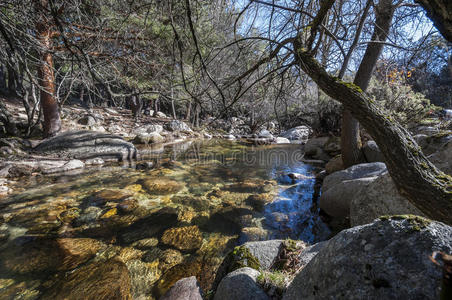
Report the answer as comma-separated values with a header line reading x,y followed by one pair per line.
x,y
75,234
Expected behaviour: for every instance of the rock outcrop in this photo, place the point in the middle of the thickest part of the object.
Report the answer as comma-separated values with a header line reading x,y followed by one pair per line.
x,y
87,144
377,198
388,259
299,133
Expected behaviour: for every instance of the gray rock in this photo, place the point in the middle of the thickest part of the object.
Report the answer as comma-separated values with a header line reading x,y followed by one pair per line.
x,y
282,140
63,167
372,152
88,144
265,251
160,114
176,125
240,285
309,253
186,289
94,161
377,198
354,172
443,158
265,134
336,200
299,133
312,145
388,259
229,137
87,120
148,129
141,139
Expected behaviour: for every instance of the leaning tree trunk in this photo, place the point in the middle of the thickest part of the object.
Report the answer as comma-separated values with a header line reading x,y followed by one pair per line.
x,y
440,12
350,139
46,76
415,176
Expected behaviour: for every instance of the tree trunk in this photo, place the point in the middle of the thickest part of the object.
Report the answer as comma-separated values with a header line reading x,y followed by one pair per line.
x,y
11,81
46,76
415,176
350,138
440,12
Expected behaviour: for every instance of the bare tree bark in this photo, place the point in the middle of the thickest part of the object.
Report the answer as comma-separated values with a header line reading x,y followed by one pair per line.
x,y
46,76
440,12
350,138
415,176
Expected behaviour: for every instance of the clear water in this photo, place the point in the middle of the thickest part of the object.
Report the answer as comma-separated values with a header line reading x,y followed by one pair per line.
x,y
155,226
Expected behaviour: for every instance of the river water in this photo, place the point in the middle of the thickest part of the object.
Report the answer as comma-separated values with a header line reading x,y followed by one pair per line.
x,y
118,228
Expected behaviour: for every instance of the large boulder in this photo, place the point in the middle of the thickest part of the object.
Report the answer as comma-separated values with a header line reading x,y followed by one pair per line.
x,y
353,172
265,134
372,153
86,144
299,133
315,148
388,259
336,200
176,125
240,285
148,138
377,198
185,288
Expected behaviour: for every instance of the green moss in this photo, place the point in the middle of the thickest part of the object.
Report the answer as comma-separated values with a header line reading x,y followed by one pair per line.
x,y
416,223
290,245
350,85
241,257
274,282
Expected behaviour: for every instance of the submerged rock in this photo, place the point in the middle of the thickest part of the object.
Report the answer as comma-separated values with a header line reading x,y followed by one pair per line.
x,y
162,186
388,259
240,285
185,288
258,201
103,281
183,238
142,277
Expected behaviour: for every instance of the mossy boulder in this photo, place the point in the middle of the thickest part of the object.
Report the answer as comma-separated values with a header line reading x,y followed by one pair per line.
x,y
387,259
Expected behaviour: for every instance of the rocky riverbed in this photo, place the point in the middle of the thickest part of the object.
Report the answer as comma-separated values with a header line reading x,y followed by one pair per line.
x,y
125,232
